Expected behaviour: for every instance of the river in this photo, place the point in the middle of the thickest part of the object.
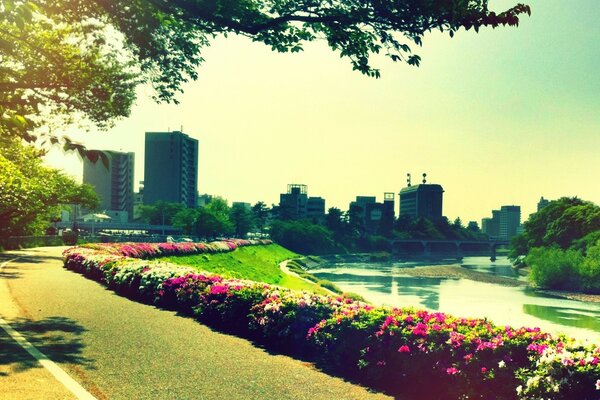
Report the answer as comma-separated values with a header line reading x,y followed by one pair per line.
x,y
385,284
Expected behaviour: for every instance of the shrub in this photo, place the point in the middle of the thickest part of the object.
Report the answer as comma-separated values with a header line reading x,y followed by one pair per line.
x,y
555,268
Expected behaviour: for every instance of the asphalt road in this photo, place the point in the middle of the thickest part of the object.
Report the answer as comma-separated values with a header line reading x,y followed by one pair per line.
x,y
119,349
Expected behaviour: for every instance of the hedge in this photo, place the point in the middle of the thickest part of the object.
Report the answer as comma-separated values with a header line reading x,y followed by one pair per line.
x,y
406,352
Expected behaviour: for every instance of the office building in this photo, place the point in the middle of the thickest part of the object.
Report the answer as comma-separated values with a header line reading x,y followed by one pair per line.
x,y
424,200
171,168
372,216
113,184
504,224
315,209
292,205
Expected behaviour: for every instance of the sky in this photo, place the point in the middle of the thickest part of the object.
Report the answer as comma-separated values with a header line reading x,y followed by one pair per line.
x,y
497,118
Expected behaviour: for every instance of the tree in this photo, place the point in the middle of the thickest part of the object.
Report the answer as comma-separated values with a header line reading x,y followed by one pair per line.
x,y
261,215
161,212
96,52
561,223
185,219
210,224
242,220
31,194
302,236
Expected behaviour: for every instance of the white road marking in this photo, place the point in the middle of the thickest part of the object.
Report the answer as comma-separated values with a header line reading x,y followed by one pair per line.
x,y
52,367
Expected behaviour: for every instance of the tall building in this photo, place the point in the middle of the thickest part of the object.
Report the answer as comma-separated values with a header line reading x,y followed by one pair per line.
x,y
424,200
542,203
171,168
114,185
504,224
510,221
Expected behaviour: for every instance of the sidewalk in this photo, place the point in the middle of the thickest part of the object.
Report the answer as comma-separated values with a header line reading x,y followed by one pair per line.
x,y
21,376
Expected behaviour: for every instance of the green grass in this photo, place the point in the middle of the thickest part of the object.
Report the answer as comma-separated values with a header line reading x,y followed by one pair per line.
x,y
257,263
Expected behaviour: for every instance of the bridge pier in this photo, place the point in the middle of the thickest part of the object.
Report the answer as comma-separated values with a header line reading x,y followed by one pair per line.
x,y
493,248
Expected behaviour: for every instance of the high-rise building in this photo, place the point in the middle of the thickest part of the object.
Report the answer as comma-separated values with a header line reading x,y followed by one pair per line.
x,y
504,224
171,168
423,200
113,184
542,203
510,221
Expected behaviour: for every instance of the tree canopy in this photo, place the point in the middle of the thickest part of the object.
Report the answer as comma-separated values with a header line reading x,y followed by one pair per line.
x,y
562,223
31,194
84,58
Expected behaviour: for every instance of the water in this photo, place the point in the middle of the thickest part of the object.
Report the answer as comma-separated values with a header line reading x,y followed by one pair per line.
x,y
385,284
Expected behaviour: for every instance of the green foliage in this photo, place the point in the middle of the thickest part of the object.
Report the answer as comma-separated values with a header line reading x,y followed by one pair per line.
x,y
184,219
329,285
261,215
31,194
242,220
57,73
563,222
68,59
589,269
161,212
555,268
302,236
213,219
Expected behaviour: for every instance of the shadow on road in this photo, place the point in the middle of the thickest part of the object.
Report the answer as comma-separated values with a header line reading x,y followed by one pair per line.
x,y
56,337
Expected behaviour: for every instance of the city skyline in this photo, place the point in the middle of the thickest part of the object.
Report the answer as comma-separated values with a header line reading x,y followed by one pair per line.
x,y
497,118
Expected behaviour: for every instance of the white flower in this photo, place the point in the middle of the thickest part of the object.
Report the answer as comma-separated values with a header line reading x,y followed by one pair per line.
x,y
501,364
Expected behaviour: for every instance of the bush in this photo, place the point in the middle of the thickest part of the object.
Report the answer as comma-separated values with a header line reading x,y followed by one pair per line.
x,y
554,268
329,285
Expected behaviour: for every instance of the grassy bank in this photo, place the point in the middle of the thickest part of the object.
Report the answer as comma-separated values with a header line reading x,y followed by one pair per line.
x,y
257,263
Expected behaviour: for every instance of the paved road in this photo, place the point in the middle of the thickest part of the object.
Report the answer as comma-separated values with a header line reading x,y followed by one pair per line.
x,y
120,349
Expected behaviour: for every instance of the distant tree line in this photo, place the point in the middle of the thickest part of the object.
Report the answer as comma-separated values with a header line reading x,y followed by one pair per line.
x,y
338,232
561,244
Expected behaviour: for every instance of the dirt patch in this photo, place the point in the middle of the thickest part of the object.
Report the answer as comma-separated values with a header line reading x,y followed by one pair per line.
x,y
456,272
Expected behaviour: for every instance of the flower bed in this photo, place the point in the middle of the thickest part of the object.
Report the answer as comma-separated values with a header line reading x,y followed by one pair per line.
x,y
404,351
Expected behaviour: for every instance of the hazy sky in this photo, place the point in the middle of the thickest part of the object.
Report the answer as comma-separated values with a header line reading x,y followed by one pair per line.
x,y
500,117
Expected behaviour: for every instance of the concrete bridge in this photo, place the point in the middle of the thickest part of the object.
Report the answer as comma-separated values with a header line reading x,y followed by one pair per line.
x,y
459,247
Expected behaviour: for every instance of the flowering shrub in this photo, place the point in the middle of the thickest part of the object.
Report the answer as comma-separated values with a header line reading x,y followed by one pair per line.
x,y
404,351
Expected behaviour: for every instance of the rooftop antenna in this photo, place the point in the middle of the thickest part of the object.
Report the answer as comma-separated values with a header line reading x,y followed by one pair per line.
x,y
181,129
408,179
424,178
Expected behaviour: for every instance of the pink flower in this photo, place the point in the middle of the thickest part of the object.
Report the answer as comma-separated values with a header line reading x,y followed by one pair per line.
x,y
598,384
404,349
452,371
483,370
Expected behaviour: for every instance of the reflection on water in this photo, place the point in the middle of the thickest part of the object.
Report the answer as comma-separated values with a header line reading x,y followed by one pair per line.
x,y
587,319
384,283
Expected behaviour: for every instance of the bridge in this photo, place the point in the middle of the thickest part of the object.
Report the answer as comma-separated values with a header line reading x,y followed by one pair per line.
x,y
458,247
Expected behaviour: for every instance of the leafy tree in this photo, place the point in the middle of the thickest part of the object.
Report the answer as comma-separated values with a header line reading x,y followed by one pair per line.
x,y
261,215
185,219
161,212
210,224
242,220
473,226
96,53
32,194
302,236
334,221
561,223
